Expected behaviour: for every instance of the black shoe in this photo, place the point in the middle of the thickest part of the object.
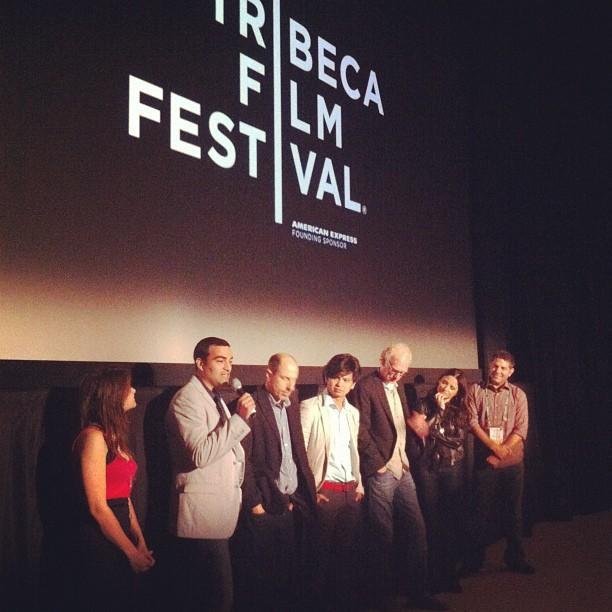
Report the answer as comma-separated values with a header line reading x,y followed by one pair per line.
x,y
427,602
521,567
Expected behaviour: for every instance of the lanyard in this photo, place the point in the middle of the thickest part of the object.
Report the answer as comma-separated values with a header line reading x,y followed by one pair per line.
x,y
488,409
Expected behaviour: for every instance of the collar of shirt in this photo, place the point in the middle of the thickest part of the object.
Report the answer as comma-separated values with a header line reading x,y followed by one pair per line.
x,y
390,386
280,404
212,392
505,386
328,401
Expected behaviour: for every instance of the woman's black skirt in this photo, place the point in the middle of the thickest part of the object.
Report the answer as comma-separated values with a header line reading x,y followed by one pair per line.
x,y
107,579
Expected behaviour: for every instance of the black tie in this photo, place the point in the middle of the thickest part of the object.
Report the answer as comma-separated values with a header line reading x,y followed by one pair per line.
x,y
220,407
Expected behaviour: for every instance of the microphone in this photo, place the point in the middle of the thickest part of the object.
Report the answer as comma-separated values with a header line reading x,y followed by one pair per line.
x,y
237,386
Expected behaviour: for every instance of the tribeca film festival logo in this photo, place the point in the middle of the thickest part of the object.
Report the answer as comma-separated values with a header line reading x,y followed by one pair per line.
x,y
327,179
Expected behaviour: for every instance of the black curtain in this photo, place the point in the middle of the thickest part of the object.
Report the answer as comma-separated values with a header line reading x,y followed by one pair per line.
x,y
541,225
21,533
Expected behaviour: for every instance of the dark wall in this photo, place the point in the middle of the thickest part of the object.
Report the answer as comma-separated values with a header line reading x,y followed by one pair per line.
x,y
26,374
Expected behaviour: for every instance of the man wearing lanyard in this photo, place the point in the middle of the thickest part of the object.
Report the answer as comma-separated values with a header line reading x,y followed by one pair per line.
x,y
395,518
279,496
330,425
499,419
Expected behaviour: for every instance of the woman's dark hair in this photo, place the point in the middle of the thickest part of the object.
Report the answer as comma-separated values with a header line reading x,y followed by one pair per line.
x,y
459,399
102,398
457,404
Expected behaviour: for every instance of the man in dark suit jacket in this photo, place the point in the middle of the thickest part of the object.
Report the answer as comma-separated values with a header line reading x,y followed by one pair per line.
x,y
393,508
279,499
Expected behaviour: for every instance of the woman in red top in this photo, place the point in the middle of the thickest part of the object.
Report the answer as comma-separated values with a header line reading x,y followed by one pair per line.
x,y
110,535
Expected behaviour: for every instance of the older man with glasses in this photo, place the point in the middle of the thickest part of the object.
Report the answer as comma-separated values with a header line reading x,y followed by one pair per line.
x,y
395,518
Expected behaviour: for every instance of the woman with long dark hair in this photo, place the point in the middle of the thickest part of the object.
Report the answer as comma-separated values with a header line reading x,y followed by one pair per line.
x,y
437,461
112,544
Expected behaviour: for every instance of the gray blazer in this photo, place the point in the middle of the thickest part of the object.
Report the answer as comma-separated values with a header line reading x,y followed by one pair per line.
x,y
207,465
318,437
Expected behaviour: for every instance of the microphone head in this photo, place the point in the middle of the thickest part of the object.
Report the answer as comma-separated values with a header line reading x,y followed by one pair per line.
x,y
237,386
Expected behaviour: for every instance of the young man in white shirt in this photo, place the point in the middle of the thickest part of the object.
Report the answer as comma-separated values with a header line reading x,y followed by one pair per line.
x,y
331,425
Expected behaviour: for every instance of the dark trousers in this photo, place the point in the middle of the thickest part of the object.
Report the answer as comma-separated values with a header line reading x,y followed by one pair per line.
x,y
442,498
502,488
266,554
338,555
202,575
398,542
105,574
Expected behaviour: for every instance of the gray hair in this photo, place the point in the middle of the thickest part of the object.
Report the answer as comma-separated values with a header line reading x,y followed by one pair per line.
x,y
397,350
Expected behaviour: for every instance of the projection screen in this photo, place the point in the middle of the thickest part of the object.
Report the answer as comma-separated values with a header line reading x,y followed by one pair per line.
x,y
288,175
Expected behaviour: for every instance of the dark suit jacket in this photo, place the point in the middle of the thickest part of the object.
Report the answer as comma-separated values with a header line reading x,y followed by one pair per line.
x,y
377,434
263,460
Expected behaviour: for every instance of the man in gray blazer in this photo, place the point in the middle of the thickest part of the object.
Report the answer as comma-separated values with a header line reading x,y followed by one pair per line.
x,y
330,425
208,469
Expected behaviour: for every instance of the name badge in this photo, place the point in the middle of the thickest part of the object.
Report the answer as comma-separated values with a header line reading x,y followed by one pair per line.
x,y
496,434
